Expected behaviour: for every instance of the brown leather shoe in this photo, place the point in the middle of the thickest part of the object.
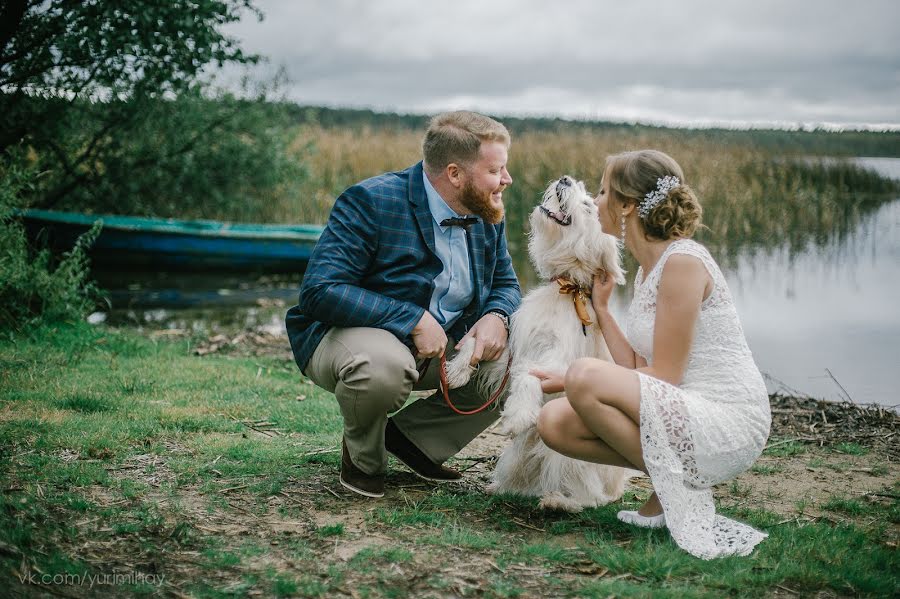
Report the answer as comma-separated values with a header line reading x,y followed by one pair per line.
x,y
404,450
354,479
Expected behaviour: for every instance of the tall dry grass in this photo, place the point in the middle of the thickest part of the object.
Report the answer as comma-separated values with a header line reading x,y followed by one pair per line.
x,y
751,197
337,158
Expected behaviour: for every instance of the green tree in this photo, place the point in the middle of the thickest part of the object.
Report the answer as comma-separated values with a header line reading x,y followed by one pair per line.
x,y
111,100
106,106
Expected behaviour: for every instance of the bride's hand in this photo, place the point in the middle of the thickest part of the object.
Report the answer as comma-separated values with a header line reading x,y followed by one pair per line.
x,y
603,288
551,382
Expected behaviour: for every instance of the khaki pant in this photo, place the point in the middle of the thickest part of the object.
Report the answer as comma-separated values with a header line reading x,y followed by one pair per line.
x,y
372,373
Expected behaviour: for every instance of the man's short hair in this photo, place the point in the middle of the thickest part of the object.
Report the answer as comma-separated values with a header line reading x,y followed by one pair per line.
x,y
457,136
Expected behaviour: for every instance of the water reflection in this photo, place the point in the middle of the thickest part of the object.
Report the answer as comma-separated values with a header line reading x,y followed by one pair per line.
x,y
265,316
129,291
825,321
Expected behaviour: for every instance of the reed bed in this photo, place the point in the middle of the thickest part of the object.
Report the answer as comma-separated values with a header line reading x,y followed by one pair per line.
x,y
752,197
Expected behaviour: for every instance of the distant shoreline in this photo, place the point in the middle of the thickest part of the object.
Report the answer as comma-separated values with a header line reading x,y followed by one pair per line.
x,y
713,126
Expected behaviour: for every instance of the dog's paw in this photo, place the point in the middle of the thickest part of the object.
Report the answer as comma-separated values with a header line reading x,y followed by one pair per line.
x,y
555,500
459,373
515,423
458,370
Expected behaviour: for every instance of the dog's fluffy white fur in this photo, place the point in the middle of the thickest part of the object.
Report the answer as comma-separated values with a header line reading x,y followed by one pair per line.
x,y
547,334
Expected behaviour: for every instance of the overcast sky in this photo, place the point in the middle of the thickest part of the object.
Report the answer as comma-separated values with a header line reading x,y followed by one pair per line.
x,y
760,62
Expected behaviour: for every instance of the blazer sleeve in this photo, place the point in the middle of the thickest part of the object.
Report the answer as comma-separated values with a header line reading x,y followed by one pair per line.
x,y
331,291
505,293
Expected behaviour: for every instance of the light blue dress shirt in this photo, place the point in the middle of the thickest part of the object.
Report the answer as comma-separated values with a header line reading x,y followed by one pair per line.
x,y
453,288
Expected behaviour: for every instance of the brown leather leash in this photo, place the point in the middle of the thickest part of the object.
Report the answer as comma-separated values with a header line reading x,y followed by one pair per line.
x,y
445,389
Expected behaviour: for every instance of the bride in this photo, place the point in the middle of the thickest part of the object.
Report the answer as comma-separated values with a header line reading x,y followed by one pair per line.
x,y
684,401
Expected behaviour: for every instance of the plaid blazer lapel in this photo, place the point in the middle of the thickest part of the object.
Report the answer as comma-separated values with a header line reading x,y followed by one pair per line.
x,y
419,201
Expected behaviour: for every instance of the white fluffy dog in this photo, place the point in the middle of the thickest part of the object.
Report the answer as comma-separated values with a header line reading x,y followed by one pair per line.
x,y
548,332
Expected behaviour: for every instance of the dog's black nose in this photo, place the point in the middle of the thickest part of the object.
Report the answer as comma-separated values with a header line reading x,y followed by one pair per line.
x,y
564,183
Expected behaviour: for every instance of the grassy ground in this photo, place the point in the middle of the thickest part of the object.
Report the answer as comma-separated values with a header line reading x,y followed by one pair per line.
x,y
216,476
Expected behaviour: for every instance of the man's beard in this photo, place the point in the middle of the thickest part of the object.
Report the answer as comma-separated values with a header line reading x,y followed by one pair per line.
x,y
480,204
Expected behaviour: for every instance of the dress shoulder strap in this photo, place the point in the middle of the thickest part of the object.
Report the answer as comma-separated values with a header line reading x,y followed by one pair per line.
x,y
691,248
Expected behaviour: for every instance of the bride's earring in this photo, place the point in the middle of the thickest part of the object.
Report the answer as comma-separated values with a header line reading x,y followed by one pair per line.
x,y
623,229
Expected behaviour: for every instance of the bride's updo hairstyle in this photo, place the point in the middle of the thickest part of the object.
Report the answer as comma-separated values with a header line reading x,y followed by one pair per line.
x,y
633,176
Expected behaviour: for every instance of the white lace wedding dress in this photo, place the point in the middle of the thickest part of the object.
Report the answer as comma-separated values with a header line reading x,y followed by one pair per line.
x,y
710,428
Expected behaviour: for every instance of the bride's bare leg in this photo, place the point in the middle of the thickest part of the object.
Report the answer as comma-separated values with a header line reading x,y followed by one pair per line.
x,y
607,398
599,419
562,430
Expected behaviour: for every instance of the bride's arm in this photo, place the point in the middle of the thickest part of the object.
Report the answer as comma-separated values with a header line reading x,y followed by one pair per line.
x,y
683,283
619,348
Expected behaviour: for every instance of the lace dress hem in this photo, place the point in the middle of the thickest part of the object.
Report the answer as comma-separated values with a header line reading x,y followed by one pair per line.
x,y
683,491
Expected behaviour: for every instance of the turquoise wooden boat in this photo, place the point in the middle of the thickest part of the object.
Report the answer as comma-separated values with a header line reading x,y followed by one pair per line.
x,y
127,242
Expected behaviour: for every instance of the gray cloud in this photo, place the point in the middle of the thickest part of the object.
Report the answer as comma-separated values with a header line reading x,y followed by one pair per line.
x,y
685,62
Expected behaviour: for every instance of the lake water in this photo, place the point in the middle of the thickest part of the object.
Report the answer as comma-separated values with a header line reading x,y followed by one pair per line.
x,y
823,322
828,325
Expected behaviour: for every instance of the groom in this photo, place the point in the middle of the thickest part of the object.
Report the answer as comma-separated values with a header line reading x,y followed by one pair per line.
x,y
409,263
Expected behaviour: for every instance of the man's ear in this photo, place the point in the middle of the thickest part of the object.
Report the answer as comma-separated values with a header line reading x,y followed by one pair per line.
x,y
456,175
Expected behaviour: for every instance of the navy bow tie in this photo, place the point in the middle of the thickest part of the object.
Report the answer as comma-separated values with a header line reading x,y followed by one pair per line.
x,y
459,221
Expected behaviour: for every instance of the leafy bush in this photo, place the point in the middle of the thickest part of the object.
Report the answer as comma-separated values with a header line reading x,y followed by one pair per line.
x,y
116,105
193,156
34,287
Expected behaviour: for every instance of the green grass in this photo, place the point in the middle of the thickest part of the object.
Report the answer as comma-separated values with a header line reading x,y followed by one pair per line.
x,y
766,469
851,448
853,507
331,530
784,448
120,451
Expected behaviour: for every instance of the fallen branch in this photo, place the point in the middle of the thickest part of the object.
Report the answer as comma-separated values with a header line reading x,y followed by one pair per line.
x,y
781,443
268,433
524,525
321,450
847,395
332,492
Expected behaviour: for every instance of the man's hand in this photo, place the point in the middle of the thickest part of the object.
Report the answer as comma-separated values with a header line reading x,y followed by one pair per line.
x,y
429,338
489,334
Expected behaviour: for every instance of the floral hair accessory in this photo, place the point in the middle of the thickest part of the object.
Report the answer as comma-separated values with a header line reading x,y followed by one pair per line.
x,y
663,186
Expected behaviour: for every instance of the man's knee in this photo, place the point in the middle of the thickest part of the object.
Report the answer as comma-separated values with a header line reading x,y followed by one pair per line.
x,y
385,378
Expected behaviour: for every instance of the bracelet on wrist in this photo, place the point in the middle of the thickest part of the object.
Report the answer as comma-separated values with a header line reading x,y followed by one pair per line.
x,y
503,318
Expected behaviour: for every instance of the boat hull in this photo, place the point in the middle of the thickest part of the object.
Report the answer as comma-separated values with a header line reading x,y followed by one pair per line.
x,y
155,244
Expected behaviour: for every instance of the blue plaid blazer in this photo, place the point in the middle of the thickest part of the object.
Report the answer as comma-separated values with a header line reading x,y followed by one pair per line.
x,y
375,265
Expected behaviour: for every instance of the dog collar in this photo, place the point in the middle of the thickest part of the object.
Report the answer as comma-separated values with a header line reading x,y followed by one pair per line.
x,y
580,295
